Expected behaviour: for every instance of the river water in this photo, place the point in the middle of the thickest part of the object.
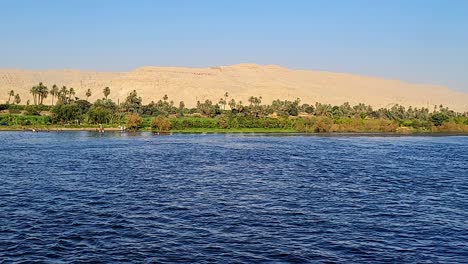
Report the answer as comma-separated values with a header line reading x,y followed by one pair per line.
x,y
87,197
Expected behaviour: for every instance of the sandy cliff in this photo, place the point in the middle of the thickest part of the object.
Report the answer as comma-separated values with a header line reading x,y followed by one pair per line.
x,y
241,81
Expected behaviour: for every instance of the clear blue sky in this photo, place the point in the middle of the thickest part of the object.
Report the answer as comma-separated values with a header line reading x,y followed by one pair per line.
x,y
415,40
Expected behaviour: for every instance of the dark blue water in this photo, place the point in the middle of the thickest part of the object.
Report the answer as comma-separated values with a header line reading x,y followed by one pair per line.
x,y
82,197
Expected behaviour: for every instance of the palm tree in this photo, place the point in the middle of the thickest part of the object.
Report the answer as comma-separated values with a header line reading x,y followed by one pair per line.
x,y
71,94
239,105
226,95
54,92
63,95
88,94
232,103
42,92
17,99
251,100
222,102
10,94
33,91
106,92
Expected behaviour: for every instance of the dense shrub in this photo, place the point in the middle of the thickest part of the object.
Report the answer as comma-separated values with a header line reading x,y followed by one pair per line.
x,y
3,107
193,122
439,118
134,122
66,113
263,122
451,127
160,124
24,120
33,110
223,122
314,124
99,115
83,106
363,125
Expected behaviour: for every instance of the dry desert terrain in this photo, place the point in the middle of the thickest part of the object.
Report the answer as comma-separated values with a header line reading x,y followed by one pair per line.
x,y
240,81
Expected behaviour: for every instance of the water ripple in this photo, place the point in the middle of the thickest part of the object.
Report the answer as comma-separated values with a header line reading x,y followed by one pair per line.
x,y
85,197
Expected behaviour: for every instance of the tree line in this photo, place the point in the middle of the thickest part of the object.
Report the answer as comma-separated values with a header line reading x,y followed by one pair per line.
x,y
227,112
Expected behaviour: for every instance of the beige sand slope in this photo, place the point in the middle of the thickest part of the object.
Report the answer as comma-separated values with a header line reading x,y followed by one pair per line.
x,y
240,81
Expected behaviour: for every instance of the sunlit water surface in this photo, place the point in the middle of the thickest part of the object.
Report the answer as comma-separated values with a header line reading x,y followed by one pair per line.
x,y
113,198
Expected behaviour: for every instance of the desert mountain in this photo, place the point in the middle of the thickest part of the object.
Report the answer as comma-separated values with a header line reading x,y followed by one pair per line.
x,y
240,81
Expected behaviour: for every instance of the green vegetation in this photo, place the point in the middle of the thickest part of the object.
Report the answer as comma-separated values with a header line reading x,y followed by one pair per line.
x,y
228,115
160,124
134,122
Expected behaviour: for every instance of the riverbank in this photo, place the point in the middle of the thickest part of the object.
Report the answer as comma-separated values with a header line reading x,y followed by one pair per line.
x,y
234,124
278,117
52,129
116,129
231,131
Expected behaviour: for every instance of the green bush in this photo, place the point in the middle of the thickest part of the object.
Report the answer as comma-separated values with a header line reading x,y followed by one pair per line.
x,y
314,124
223,122
134,122
439,119
20,120
99,115
160,124
193,122
3,107
33,110
66,113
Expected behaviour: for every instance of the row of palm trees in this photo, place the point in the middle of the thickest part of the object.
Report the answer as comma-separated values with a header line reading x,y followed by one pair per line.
x,y
64,94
